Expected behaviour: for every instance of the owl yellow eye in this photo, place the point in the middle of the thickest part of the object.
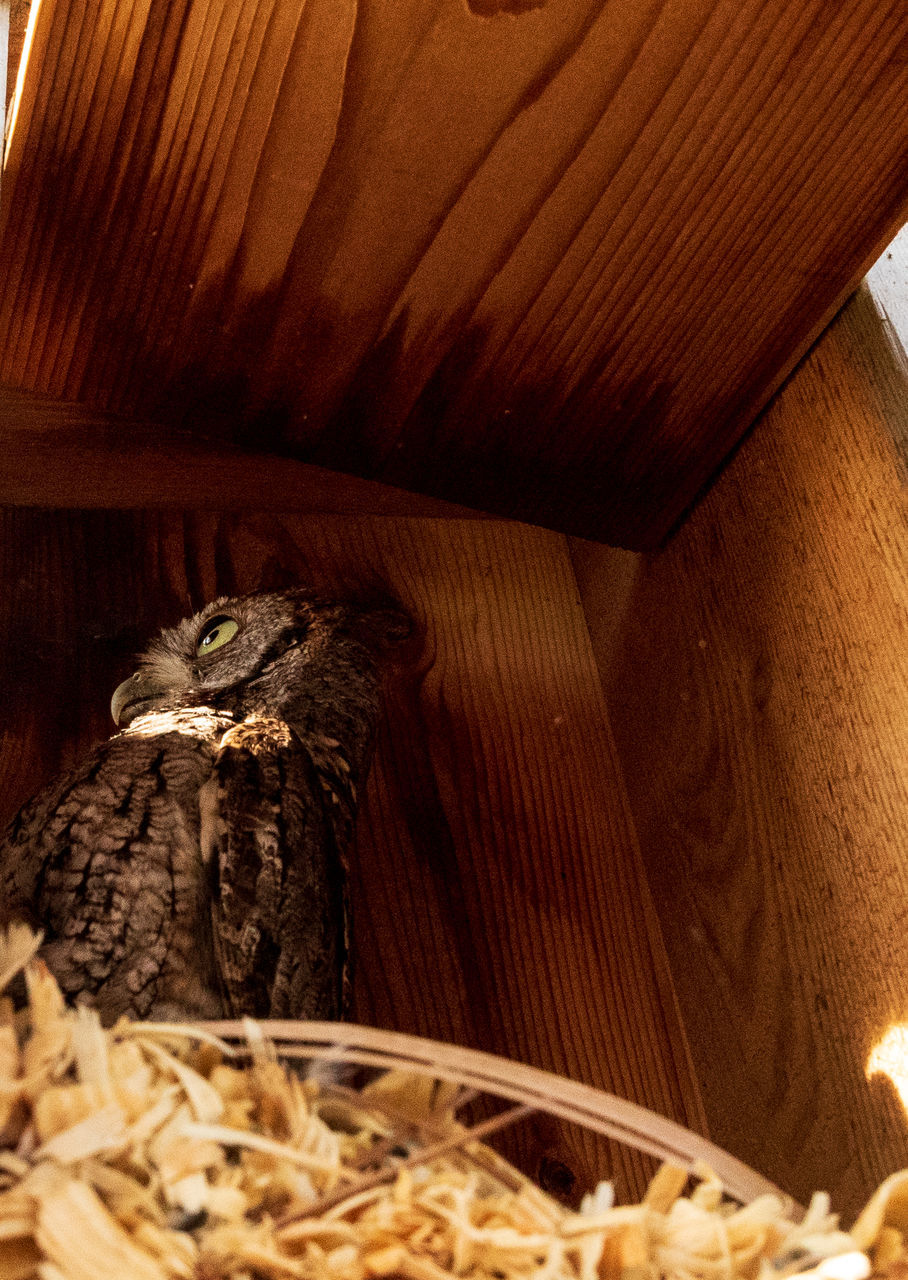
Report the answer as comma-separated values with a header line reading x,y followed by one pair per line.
x,y
216,634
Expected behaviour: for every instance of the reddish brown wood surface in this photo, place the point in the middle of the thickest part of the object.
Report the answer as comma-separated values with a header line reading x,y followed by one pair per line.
x,y
498,891
757,681
546,259
59,454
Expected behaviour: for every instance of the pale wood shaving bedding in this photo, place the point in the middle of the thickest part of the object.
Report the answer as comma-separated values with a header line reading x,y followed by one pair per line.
x,y
156,1153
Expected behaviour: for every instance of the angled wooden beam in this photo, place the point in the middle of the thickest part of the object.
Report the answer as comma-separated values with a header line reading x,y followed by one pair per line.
x,y
59,454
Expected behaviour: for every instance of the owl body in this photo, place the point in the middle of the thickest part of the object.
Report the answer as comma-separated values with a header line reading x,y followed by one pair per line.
x,y
192,866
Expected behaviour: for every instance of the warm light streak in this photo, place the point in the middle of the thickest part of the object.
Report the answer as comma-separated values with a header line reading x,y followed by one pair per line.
x,y
20,77
890,1058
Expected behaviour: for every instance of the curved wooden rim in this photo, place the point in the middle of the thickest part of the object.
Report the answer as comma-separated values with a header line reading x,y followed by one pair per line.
x,y
602,1112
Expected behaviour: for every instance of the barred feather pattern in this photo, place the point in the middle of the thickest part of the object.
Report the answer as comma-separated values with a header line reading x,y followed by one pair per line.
x,y
193,865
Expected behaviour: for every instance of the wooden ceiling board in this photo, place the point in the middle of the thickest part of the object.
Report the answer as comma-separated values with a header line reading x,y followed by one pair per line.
x,y
545,260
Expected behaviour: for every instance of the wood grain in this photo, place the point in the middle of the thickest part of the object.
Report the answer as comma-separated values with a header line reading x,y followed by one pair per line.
x,y
18,24
498,891
546,260
59,454
757,683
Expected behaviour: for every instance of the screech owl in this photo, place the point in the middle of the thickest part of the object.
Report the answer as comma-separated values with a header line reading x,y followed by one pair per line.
x,y
192,866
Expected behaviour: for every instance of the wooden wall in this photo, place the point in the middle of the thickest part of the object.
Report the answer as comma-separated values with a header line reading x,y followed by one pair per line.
x,y
756,676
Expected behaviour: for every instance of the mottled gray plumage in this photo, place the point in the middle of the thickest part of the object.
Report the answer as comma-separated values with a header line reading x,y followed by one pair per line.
x,y
192,865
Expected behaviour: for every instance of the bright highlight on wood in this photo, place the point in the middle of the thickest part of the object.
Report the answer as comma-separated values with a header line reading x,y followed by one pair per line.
x,y
890,1058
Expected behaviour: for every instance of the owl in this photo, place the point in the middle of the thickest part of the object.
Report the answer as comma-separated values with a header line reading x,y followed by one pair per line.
x,y
193,865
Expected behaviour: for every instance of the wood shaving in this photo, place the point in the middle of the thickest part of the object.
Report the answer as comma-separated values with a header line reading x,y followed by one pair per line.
x,y
155,1152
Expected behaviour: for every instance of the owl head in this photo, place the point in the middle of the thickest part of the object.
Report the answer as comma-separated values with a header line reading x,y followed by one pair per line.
x,y
292,654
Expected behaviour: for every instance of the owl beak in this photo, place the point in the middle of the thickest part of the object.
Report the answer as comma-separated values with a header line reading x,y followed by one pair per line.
x,y
133,697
